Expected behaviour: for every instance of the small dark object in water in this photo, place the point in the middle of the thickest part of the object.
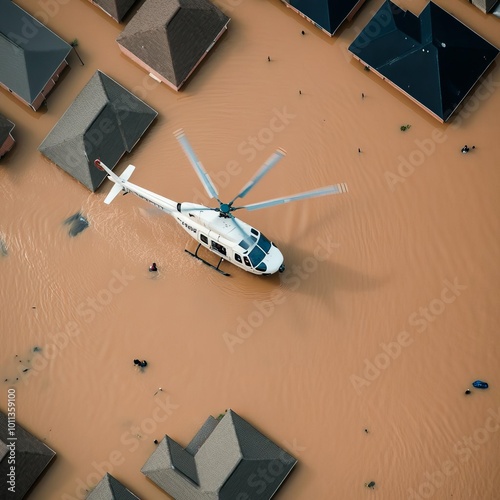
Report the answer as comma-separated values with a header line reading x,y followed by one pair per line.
x,y
479,384
140,363
155,441
3,248
371,484
153,268
37,349
77,223
269,58
137,362
467,391
366,431
25,370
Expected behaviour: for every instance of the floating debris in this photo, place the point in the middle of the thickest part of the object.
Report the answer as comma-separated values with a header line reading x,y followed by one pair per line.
x,y
479,384
404,128
77,223
3,247
370,485
37,349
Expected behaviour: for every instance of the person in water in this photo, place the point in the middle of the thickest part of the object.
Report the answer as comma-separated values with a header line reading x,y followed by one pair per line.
x,y
140,363
153,268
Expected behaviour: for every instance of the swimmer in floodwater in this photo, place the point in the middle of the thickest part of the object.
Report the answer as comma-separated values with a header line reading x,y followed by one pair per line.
x,y
153,268
467,391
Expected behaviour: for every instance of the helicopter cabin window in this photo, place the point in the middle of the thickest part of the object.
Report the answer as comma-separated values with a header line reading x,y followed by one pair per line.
x,y
204,239
247,262
237,257
218,248
254,231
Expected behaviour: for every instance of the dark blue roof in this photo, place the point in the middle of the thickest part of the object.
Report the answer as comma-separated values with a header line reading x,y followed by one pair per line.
x,y
29,52
434,57
328,14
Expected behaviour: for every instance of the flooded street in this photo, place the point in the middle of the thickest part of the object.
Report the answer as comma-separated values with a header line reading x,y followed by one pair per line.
x,y
387,312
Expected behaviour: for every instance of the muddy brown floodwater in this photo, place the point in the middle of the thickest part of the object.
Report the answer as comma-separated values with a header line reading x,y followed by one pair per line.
x,y
387,312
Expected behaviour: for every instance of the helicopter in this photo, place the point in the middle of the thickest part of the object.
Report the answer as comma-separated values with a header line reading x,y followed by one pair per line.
x,y
217,229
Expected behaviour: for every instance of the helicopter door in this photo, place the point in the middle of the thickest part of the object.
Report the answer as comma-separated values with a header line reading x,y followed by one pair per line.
x,y
204,239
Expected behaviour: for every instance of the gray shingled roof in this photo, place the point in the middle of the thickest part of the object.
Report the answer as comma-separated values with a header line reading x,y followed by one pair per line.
x,y
109,488
6,127
171,37
104,121
32,457
29,52
117,9
229,464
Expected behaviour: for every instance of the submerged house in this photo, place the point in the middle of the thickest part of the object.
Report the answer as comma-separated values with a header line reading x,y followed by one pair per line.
x,y
226,460
105,121
6,139
31,458
433,58
327,15
109,488
170,38
117,9
31,56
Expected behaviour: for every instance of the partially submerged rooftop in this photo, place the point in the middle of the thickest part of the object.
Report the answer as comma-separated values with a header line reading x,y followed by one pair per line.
x,y
327,15
6,138
31,55
104,121
109,488
32,457
117,9
433,58
170,39
224,461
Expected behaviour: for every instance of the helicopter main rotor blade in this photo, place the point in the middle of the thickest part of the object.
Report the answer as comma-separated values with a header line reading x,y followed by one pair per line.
x,y
268,165
196,163
336,189
246,237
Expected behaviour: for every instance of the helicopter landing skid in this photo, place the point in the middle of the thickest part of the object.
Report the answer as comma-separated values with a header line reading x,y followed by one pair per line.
x,y
196,256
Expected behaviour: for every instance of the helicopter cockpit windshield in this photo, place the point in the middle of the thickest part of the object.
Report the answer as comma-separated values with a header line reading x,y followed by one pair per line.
x,y
259,250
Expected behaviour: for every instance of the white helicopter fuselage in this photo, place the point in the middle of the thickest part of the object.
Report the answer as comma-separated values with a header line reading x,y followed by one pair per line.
x,y
211,230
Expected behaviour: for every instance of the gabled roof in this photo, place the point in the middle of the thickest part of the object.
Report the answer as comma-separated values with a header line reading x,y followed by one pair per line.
x,y
6,127
433,58
104,121
327,14
109,488
172,37
31,457
29,52
228,463
117,9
